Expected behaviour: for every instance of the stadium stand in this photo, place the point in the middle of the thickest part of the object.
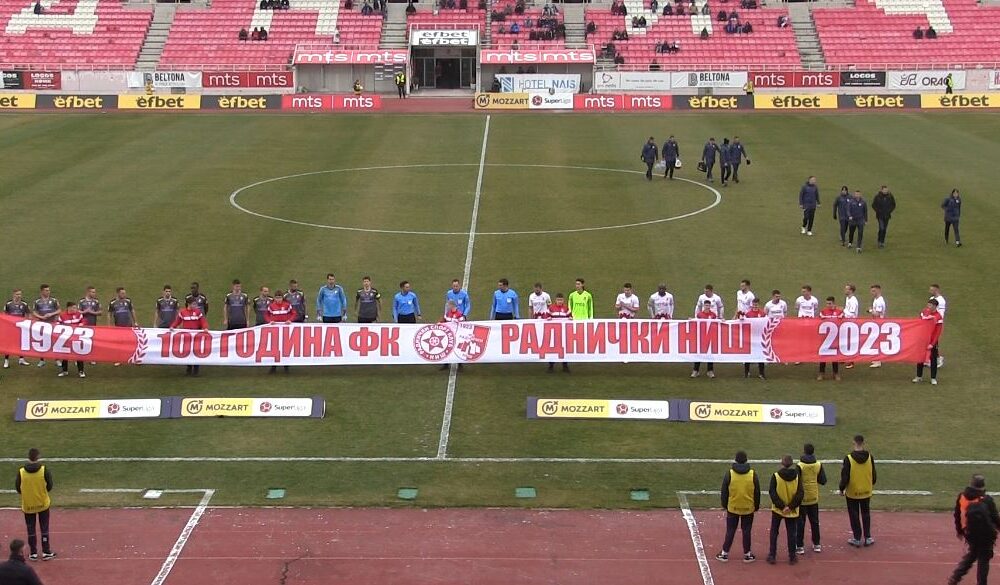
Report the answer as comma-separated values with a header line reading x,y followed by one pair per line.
x,y
505,39
457,18
86,33
206,38
881,32
766,45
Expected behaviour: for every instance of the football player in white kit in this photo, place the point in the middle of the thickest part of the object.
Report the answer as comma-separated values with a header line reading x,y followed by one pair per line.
x,y
935,292
878,310
776,308
807,306
627,303
539,302
744,297
852,309
661,304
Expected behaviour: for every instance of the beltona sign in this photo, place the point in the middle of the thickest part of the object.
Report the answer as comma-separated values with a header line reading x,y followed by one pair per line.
x,y
444,38
536,57
334,56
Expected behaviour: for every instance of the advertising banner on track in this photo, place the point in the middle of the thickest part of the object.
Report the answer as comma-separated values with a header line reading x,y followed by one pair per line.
x,y
129,408
165,79
613,81
17,101
862,78
241,102
159,102
520,83
712,102
444,38
621,102
331,102
802,414
536,57
795,79
336,55
586,408
12,79
714,79
250,407
43,80
597,340
923,80
878,102
959,101
550,101
247,79
795,102
502,101
77,102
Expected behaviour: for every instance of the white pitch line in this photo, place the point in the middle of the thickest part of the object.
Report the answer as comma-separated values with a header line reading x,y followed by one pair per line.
x,y
8,491
699,546
335,459
182,540
449,401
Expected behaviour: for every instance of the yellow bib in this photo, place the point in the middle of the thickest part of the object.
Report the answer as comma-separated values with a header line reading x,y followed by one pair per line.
x,y
786,491
740,493
34,493
810,482
859,487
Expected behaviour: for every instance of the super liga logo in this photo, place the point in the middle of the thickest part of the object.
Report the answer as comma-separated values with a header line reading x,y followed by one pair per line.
x,y
434,342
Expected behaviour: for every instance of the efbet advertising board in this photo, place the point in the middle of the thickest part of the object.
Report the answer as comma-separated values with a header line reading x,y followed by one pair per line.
x,y
959,101
606,409
159,102
17,101
795,102
877,102
803,414
131,408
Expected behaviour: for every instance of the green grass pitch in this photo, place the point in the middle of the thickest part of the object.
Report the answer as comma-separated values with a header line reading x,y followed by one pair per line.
x,y
142,201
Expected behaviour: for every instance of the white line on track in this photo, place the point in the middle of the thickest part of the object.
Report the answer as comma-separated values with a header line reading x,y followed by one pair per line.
x,y
182,540
449,401
699,546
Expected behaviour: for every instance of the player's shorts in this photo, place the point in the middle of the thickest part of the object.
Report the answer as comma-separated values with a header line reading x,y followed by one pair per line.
x,y
661,316
540,316
626,315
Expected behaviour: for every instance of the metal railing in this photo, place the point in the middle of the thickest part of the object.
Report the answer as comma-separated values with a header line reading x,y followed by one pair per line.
x,y
789,68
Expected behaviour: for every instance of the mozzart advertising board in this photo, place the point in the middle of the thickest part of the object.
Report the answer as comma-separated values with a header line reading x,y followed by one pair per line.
x,y
587,408
803,414
169,407
680,410
597,340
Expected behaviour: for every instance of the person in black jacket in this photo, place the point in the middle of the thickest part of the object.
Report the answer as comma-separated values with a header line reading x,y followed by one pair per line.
x,y
857,217
15,571
976,522
740,499
883,205
840,212
786,496
649,155
671,153
952,207
708,154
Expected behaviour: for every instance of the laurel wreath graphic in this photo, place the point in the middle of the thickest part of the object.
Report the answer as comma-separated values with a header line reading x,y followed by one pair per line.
x,y
768,349
140,346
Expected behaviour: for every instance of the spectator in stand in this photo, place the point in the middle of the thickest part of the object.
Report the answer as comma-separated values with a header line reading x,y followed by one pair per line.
x,y
263,34
519,7
642,21
609,49
679,9
747,28
38,8
285,5
919,33
591,29
659,48
782,21
705,10
515,29
722,17
668,10
704,34
653,6
367,8
255,35
619,59
931,33
264,5
336,36
244,35
410,8
463,5
732,27
675,47
349,4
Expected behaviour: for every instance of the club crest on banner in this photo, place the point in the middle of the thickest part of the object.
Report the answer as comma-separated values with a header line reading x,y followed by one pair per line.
x,y
472,340
434,342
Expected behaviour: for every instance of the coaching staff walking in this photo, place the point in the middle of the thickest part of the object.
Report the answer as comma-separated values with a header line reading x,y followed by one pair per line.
x,y
740,499
976,522
808,202
671,153
708,157
857,217
857,482
649,156
34,482
883,205
15,571
786,497
737,153
840,212
952,207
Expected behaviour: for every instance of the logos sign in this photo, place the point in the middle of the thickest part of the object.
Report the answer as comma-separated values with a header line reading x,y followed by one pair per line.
x,y
17,101
35,410
551,101
159,102
587,408
12,80
248,79
862,78
878,102
42,79
924,80
334,55
712,102
795,102
960,101
444,38
165,79
536,57
327,102
622,102
241,102
520,83
716,79
795,79
250,407
811,414
502,101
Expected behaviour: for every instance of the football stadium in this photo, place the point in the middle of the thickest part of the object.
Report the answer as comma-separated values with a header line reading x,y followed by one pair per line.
x,y
498,291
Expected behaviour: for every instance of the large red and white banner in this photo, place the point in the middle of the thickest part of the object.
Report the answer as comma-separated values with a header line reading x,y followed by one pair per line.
x,y
598,340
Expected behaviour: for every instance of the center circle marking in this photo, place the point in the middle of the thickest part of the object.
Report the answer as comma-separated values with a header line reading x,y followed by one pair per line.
x,y
235,195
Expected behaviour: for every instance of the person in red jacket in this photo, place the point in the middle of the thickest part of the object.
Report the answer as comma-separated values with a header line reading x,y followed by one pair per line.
x,y
71,317
559,311
755,311
830,311
280,311
932,314
191,318
452,314
706,312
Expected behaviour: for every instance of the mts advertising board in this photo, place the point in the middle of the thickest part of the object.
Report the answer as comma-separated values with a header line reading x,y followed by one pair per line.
x,y
923,80
327,102
537,57
782,79
622,102
333,55
248,79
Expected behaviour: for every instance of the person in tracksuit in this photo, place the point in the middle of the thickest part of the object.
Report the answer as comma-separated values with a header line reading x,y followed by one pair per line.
x,y
671,152
883,204
976,522
808,202
786,497
708,157
857,483
813,475
952,207
857,217
725,159
736,155
740,499
840,212
649,156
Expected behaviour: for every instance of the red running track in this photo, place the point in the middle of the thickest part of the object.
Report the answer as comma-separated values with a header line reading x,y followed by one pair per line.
x,y
252,546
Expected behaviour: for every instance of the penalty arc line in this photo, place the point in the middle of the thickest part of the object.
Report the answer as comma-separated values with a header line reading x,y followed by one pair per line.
x,y
182,540
449,401
699,546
